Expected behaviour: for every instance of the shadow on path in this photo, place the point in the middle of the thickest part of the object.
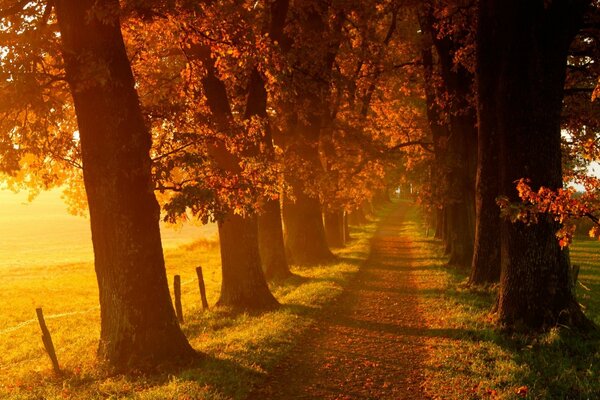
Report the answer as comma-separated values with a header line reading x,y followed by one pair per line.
x,y
371,344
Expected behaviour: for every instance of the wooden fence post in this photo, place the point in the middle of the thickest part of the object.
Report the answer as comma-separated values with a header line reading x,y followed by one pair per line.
x,y
47,340
177,290
202,288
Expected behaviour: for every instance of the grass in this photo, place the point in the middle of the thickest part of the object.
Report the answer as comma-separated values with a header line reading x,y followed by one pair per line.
x,y
470,359
240,348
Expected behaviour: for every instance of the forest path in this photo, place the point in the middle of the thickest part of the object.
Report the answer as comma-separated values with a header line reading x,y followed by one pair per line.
x,y
371,343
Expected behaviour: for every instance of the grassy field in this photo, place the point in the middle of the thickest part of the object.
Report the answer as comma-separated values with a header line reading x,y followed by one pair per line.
x,y
41,232
239,348
470,359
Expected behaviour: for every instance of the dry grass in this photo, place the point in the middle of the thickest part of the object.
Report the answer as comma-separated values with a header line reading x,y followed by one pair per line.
x,y
240,348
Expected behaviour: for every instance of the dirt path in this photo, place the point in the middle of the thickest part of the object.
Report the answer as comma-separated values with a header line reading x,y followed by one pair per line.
x,y
368,345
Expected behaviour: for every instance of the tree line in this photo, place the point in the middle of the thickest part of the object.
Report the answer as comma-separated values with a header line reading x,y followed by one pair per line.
x,y
283,122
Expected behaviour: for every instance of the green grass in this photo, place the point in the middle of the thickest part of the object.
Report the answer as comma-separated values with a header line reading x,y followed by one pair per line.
x,y
470,359
239,348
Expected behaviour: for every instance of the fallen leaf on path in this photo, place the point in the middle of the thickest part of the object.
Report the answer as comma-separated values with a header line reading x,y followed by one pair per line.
x,y
522,391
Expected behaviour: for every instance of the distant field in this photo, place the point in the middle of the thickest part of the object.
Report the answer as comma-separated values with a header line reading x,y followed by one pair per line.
x,y
42,233
586,253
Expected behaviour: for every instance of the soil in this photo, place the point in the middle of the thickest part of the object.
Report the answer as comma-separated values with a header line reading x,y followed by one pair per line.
x,y
370,343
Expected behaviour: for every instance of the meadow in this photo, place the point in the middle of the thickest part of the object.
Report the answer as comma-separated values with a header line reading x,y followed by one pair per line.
x,y
238,348
468,358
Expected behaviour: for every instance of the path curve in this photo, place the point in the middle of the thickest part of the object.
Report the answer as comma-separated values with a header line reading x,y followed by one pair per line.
x,y
367,345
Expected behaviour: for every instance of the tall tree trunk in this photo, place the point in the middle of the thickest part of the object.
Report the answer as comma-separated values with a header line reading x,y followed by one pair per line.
x,y
485,266
243,286
335,228
304,230
347,236
138,325
270,227
303,222
357,217
535,289
439,223
461,208
271,242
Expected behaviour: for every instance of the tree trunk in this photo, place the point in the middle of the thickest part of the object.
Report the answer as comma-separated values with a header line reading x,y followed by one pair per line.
x,y
535,289
456,157
335,228
461,208
271,243
357,217
303,222
304,231
439,224
138,324
485,266
270,227
243,286
347,236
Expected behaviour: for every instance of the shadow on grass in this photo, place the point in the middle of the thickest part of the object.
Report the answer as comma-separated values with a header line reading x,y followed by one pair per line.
x,y
559,364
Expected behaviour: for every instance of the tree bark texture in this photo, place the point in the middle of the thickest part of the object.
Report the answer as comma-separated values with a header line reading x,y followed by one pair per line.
x,y
485,265
459,155
271,242
304,231
527,88
138,324
243,286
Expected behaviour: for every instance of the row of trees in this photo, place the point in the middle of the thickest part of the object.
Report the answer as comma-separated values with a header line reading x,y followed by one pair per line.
x,y
499,96
252,114
265,114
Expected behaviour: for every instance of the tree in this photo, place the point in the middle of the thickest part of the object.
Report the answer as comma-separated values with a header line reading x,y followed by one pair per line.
x,y
138,324
207,158
449,27
243,285
522,69
312,62
270,227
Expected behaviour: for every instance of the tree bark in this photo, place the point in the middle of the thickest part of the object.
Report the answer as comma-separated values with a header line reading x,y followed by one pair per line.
x,y
271,242
460,153
270,227
243,286
535,290
304,230
347,236
357,217
335,228
485,266
138,324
